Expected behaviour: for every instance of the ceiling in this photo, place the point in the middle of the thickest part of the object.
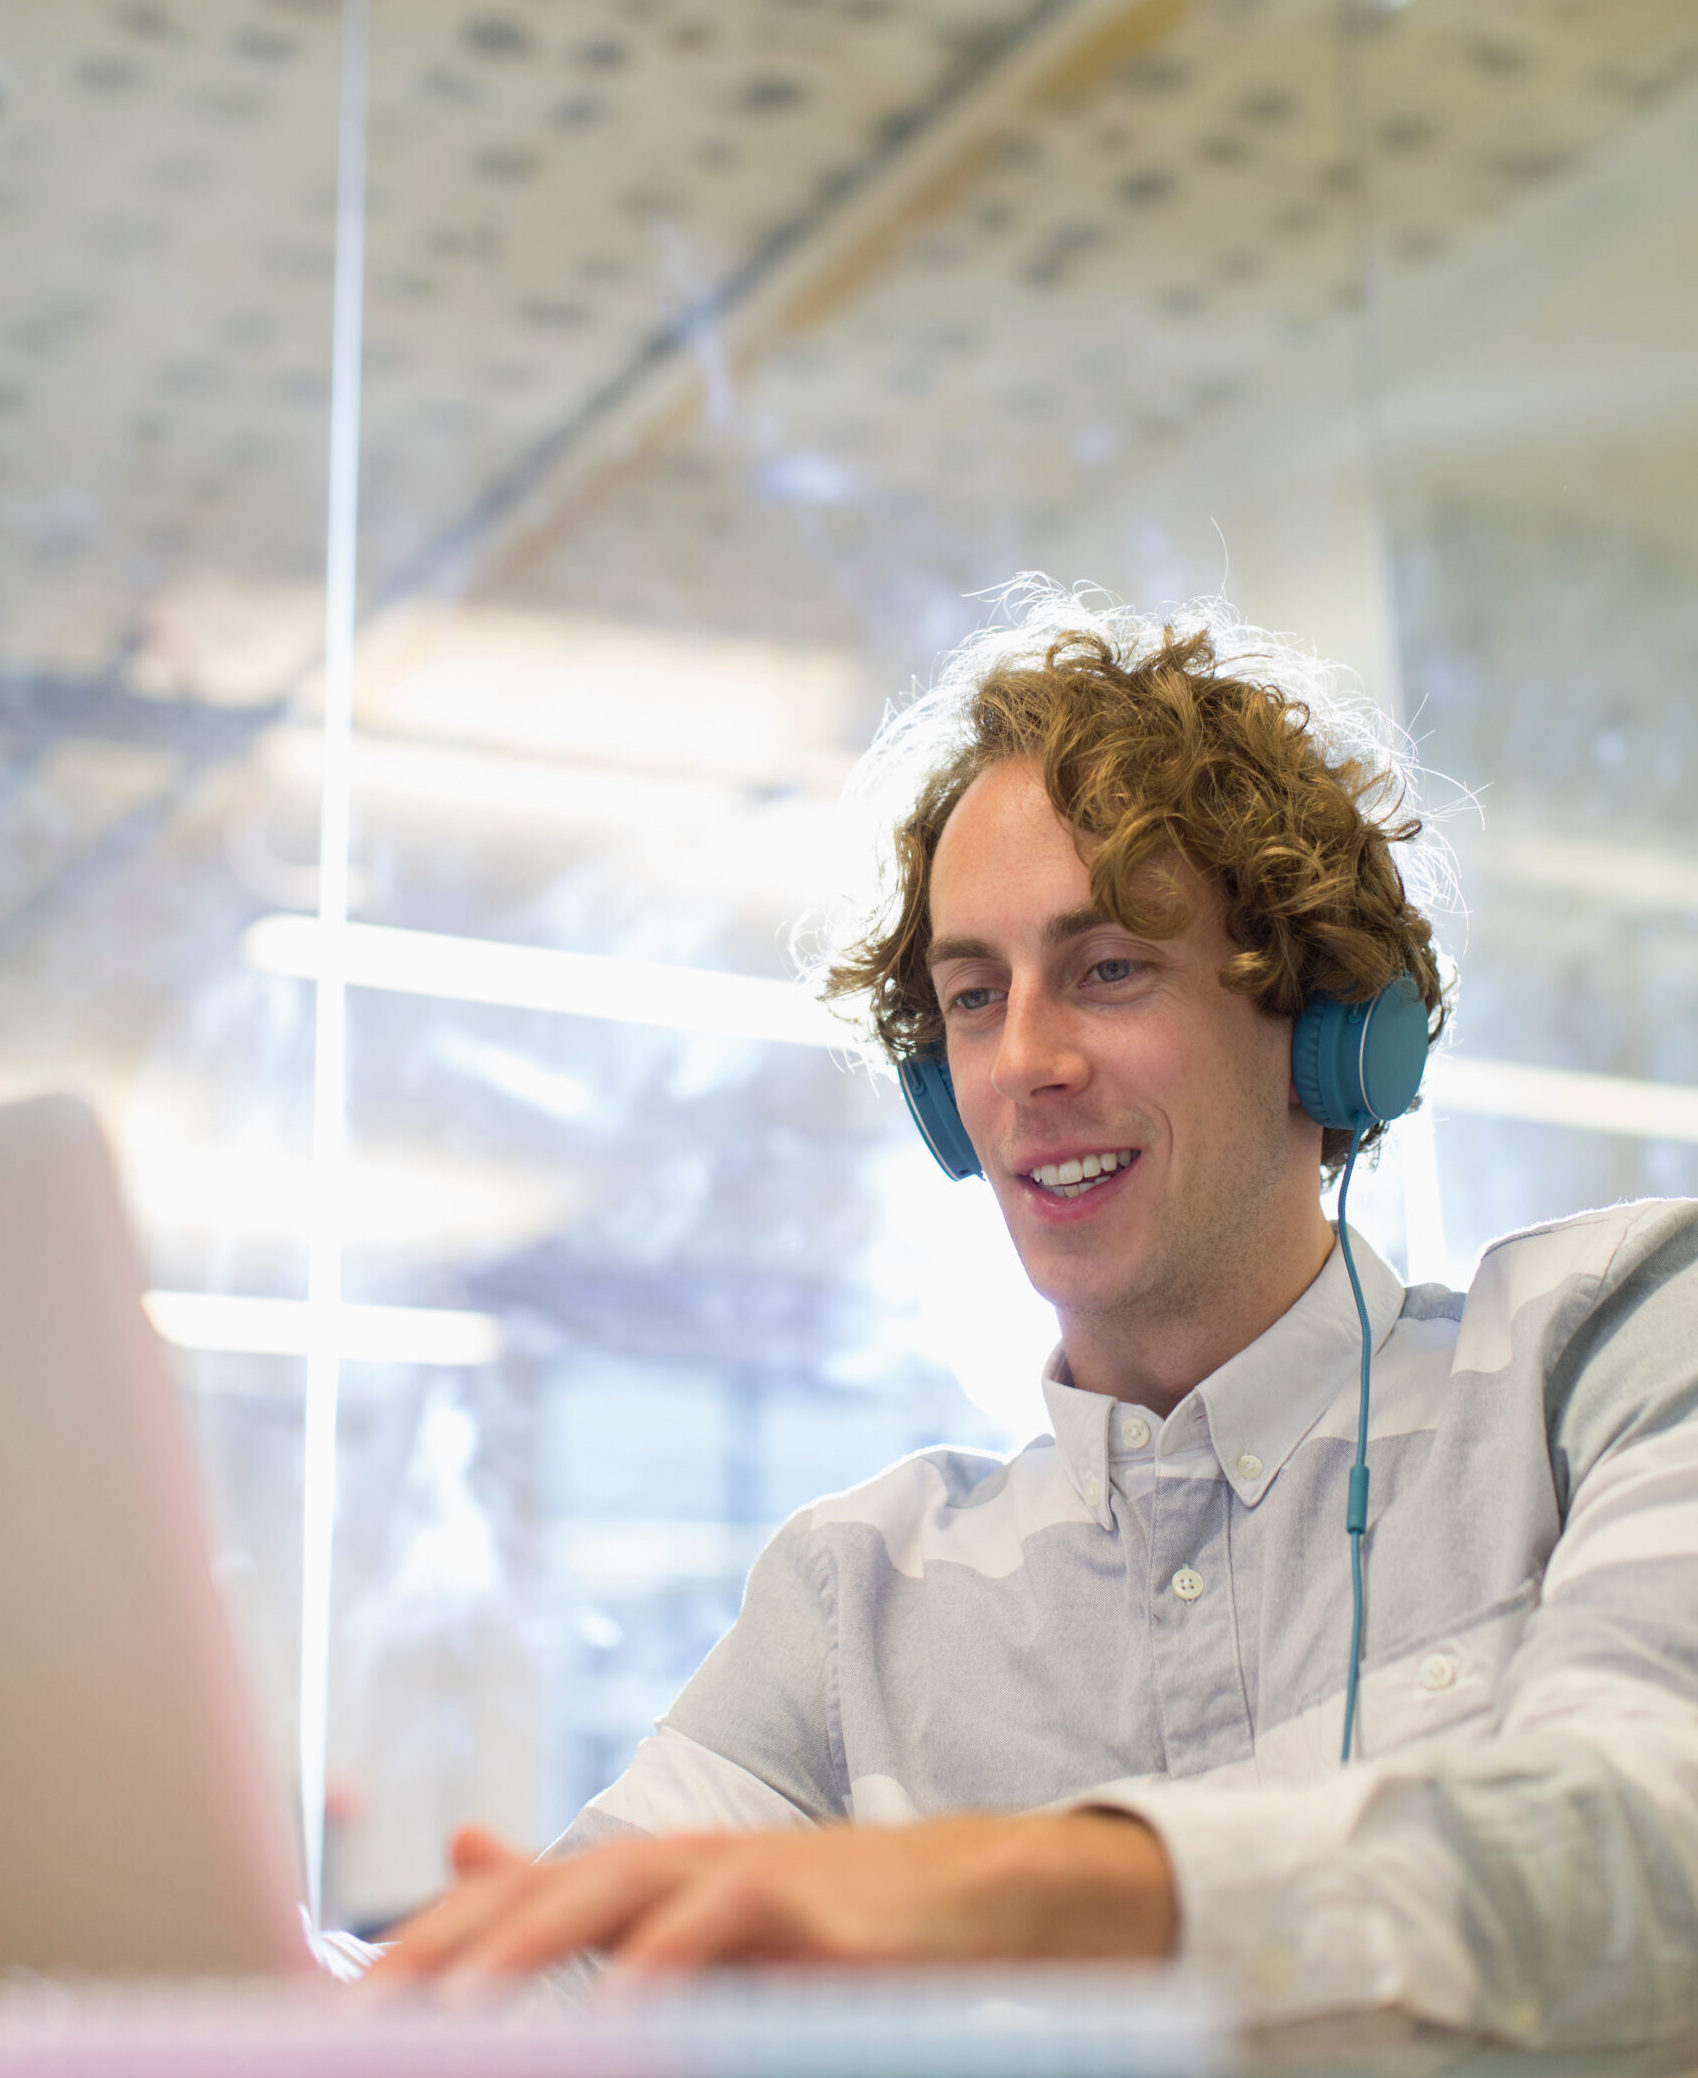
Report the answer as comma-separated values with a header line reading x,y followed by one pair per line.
x,y
654,289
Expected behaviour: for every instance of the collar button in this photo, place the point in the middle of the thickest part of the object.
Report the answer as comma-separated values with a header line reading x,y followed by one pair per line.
x,y
1250,1466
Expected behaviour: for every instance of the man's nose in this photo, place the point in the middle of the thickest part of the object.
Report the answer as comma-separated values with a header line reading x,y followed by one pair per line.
x,y
1038,1050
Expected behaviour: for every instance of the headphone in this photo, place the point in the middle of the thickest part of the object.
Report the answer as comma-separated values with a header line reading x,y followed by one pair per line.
x,y
1355,1066
1352,1063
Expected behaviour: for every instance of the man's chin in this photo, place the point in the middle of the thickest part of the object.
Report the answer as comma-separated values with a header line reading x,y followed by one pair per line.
x,y
1076,1278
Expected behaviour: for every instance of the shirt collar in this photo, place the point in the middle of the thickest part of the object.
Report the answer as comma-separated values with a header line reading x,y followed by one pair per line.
x,y
1261,1403
1080,1421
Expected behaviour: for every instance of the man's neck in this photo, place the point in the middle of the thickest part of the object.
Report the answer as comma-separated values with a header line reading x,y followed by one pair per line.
x,y
1155,1354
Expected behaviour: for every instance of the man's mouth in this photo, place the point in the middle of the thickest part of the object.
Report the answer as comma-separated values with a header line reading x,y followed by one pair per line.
x,y
1080,1173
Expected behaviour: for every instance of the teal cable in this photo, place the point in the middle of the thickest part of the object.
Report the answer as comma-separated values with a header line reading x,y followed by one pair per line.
x,y
1356,1505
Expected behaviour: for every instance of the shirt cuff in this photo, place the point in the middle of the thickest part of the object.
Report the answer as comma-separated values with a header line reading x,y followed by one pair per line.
x,y
1285,1908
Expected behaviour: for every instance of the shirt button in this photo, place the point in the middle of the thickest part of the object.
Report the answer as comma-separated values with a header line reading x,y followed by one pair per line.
x,y
1134,1432
1187,1585
1438,1670
1249,1466
1093,1491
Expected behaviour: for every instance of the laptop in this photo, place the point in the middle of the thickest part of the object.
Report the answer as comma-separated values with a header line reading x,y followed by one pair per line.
x,y
141,1836
140,1830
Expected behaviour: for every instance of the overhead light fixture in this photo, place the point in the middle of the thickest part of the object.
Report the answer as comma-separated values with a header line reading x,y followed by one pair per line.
x,y
1564,1097
1588,870
532,977
745,1006
235,1326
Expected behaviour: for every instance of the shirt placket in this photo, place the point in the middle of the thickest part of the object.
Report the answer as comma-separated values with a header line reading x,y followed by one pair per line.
x,y
1193,1630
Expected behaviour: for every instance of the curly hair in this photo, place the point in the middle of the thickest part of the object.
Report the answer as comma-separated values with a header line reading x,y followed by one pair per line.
x,y
1195,737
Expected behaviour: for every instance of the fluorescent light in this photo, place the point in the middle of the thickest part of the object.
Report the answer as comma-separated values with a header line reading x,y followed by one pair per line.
x,y
1658,882
1563,1097
532,977
701,999
364,1334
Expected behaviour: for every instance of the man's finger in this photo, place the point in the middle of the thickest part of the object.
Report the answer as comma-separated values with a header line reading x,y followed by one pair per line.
x,y
587,1902
474,1852
431,1938
723,1915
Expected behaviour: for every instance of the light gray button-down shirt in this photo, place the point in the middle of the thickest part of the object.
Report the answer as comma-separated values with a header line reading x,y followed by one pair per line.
x,y
1155,1615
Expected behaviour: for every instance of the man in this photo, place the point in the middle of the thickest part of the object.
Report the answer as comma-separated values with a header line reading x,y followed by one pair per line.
x,y
1089,1702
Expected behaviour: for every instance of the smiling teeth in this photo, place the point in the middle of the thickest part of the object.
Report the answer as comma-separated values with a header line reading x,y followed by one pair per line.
x,y
1075,1176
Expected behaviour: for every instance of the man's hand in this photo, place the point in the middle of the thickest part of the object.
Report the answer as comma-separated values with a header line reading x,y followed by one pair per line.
x,y
1085,1885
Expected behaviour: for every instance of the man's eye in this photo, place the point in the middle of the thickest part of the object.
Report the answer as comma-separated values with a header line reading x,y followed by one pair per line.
x,y
1115,969
970,999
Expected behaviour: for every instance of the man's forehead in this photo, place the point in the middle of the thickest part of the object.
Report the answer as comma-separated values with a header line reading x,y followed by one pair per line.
x,y
1005,830
1010,869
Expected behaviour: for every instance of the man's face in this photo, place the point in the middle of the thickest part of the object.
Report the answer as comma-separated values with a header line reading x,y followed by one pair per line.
x,y
1134,1118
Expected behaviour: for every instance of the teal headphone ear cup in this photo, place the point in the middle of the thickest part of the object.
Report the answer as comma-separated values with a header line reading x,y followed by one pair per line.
x,y
1394,1055
1322,1061
1308,1039
930,1096
1360,1061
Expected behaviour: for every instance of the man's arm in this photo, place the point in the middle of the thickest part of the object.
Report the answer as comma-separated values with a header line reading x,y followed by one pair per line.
x,y
1540,1885
750,1751
950,1890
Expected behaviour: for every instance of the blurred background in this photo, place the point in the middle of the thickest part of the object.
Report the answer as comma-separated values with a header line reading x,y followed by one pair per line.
x,y
716,353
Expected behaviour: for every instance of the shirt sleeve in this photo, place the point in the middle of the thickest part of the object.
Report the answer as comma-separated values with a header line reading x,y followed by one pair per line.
x,y
1540,1885
751,1741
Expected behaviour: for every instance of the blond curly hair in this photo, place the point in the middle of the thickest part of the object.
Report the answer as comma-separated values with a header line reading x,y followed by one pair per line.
x,y
1193,735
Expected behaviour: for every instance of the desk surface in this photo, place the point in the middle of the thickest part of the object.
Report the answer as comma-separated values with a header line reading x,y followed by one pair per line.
x,y
991,2024
1004,2023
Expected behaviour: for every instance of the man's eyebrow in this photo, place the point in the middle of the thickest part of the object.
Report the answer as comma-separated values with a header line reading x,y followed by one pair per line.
x,y
941,949
1074,923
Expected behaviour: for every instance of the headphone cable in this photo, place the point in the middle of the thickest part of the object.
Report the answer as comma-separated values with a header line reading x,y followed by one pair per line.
x,y
1356,1505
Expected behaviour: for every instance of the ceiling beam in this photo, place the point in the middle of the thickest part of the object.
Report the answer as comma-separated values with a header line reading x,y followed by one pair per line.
x,y
1055,53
